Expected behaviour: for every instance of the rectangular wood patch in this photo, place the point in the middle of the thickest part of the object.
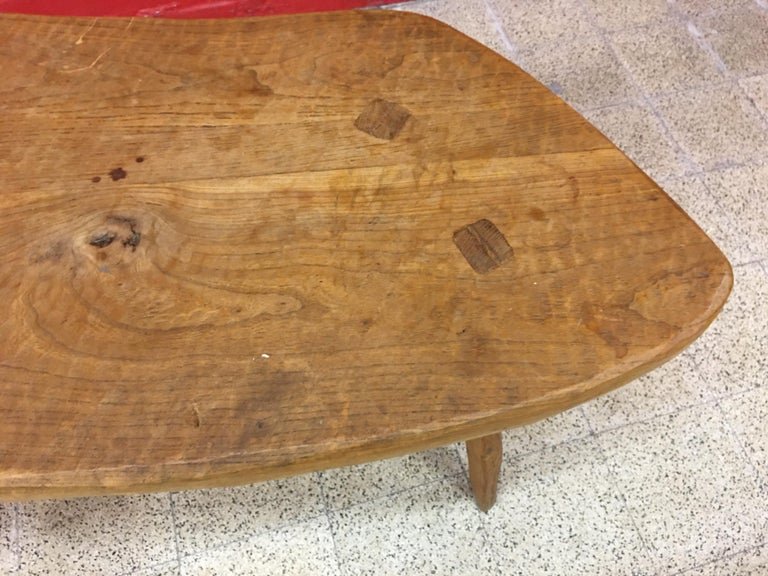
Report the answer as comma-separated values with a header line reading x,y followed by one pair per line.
x,y
483,245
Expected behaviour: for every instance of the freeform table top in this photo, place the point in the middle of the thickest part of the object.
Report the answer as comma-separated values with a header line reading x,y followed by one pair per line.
x,y
235,250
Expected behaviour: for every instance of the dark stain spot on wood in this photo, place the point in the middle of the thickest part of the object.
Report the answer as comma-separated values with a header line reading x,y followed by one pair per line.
x,y
258,87
573,184
537,214
133,239
96,179
53,254
139,159
483,245
103,239
243,81
382,119
117,174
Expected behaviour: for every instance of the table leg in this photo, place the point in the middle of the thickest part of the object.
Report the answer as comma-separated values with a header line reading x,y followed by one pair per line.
x,y
484,456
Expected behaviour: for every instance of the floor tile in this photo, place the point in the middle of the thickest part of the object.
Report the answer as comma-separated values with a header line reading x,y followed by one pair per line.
x,y
740,38
756,88
433,529
665,58
471,17
207,519
735,348
697,8
305,548
559,513
528,23
742,193
688,486
748,413
107,535
693,196
628,13
639,134
8,532
583,71
168,569
752,562
717,126
344,487
674,385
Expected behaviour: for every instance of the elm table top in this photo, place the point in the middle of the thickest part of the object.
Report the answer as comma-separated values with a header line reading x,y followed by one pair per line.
x,y
235,250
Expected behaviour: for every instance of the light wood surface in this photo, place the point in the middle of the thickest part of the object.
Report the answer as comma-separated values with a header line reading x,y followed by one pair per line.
x,y
236,250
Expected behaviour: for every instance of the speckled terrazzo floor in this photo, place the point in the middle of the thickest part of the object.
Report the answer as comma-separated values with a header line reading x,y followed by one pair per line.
x,y
666,476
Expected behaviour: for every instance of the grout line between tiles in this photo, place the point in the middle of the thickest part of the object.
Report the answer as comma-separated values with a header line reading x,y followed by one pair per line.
x,y
759,262
706,46
16,536
737,438
397,492
203,551
734,225
728,82
683,155
706,402
151,567
490,9
331,528
588,421
172,505
720,559
584,110
650,550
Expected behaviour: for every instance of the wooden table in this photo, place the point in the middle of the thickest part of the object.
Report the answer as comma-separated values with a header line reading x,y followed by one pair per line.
x,y
237,250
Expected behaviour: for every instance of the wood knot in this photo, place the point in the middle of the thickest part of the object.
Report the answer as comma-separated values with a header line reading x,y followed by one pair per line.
x,y
102,239
120,228
483,245
382,119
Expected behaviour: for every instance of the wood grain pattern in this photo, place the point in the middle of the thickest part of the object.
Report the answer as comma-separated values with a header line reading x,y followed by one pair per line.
x,y
484,459
210,275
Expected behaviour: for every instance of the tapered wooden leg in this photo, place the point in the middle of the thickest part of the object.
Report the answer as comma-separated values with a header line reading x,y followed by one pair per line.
x,y
484,465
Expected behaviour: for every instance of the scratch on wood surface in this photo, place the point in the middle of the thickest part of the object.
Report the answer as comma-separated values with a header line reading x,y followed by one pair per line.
x,y
80,40
91,65
196,419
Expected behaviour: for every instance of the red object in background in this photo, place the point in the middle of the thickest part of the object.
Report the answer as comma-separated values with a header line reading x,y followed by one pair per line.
x,y
180,8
